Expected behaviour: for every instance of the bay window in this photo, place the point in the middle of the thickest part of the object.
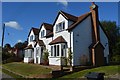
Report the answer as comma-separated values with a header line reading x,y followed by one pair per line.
x,y
58,50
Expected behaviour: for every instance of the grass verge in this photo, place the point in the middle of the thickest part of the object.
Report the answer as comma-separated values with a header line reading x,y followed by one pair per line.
x,y
108,70
25,69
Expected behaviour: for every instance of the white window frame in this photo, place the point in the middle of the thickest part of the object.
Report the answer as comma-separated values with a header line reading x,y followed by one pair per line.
x,y
60,28
31,38
42,33
64,50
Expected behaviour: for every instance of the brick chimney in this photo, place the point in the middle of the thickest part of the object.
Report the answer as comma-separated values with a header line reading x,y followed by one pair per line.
x,y
95,20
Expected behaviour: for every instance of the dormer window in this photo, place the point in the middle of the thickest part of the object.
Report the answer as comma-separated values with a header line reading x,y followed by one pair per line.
x,y
42,33
60,26
31,38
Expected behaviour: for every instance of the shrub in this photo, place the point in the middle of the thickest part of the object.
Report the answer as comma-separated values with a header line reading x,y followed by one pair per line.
x,y
45,56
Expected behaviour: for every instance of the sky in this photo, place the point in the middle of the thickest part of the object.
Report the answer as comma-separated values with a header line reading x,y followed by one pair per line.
x,y
21,16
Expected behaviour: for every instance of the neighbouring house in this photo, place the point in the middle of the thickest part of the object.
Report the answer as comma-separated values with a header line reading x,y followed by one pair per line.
x,y
84,35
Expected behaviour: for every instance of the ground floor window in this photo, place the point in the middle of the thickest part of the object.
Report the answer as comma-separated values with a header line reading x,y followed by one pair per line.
x,y
51,50
63,50
58,50
28,53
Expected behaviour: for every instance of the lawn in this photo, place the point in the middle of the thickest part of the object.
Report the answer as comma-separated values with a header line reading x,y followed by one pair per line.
x,y
108,70
25,69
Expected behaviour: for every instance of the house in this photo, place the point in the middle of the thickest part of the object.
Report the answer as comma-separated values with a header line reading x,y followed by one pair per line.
x,y
83,35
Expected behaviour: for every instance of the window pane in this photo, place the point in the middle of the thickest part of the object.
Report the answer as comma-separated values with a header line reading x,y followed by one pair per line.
x,y
51,50
56,28
63,50
63,25
43,33
60,26
57,50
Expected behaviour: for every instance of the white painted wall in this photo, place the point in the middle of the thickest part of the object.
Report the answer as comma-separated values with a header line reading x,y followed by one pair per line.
x,y
82,38
33,42
104,41
65,34
54,61
46,40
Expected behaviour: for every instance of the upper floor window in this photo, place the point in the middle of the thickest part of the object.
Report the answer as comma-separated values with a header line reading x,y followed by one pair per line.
x,y
60,26
42,33
31,38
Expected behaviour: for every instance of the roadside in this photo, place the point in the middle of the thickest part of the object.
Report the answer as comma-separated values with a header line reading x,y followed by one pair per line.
x,y
4,75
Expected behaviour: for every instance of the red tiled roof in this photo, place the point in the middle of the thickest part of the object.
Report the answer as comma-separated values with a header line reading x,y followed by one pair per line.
x,y
49,34
48,26
80,19
29,47
40,43
59,39
35,30
69,16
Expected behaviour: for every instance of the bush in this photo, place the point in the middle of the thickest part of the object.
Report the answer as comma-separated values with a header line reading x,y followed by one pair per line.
x,y
45,57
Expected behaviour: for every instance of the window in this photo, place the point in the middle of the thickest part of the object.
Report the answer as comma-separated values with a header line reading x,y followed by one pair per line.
x,y
63,50
51,50
31,38
57,50
60,26
42,33
26,53
37,51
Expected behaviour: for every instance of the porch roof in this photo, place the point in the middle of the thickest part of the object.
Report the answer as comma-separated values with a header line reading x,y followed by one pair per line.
x,y
40,43
59,39
29,47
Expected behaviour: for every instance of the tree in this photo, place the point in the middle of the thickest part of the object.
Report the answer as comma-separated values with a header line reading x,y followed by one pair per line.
x,y
5,52
21,45
113,33
7,47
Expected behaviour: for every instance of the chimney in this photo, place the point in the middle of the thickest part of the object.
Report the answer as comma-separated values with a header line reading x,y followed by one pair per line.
x,y
95,20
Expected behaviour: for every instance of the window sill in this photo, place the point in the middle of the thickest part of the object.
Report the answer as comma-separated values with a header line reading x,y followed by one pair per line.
x,y
59,31
57,57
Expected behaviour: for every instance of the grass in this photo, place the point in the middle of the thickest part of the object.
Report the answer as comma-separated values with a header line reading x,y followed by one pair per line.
x,y
108,70
25,69
11,74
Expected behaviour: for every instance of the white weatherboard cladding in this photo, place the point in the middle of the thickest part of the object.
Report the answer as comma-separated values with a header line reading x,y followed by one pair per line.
x,y
26,60
54,61
60,19
45,40
33,43
104,41
37,58
82,38
65,34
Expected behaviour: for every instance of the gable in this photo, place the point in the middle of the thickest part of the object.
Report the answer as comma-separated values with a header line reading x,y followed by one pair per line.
x,y
80,19
33,31
59,20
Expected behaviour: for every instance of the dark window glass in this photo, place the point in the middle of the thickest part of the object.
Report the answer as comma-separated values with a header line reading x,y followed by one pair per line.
x,y
51,50
57,50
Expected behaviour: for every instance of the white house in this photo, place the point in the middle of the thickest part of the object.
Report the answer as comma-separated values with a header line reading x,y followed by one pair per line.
x,y
84,35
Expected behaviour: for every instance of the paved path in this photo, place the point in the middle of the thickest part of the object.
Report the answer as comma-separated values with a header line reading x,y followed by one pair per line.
x,y
3,75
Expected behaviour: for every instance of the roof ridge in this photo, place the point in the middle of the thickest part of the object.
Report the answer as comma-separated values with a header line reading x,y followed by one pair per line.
x,y
69,16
